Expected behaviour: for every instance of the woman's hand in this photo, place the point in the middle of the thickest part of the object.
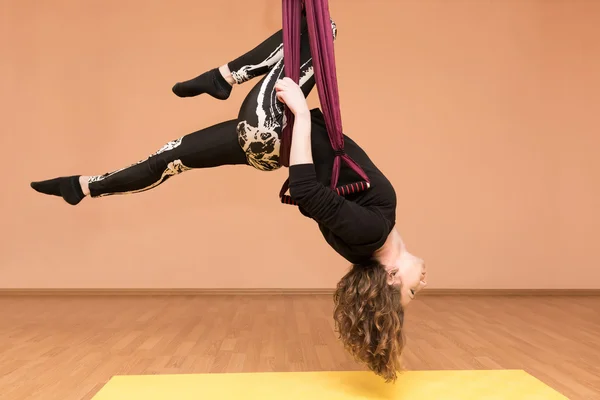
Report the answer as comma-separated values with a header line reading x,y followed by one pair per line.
x,y
291,95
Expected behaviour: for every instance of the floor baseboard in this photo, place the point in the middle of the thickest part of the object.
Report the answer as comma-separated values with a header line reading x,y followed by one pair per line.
x,y
510,292
271,292
162,292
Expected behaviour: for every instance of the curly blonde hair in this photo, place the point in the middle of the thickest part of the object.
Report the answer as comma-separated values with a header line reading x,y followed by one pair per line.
x,y
369,317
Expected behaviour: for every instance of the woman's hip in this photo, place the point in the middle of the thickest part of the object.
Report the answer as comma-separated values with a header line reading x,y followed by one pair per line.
x,y
260,122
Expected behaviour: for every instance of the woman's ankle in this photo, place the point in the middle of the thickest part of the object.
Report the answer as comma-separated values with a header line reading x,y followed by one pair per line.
x,y
84,182
226,74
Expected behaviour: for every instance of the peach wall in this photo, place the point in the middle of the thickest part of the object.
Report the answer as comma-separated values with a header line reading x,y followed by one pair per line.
x,y
485,114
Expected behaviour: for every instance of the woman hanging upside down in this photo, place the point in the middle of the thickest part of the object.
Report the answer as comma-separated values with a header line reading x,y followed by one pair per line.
x,y
384,277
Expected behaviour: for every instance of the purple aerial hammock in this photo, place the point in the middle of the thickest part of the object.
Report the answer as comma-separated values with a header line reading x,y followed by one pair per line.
x,y
323,58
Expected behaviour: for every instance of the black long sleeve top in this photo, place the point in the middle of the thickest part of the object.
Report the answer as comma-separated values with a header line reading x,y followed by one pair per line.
x,y
355,225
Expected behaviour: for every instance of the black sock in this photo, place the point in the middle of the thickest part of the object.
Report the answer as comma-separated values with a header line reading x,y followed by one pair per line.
x,y
211,82
67,187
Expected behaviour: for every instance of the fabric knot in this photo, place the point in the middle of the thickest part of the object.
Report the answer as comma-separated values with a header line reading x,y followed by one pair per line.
x,y
339,152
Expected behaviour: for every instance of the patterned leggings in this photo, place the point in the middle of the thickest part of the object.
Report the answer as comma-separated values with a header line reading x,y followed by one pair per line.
x,y
251,139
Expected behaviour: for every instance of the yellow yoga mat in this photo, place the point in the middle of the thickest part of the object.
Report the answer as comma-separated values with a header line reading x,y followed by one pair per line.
x,y
435,385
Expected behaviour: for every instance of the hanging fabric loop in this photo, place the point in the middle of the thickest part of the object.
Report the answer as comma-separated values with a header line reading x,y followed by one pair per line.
x,y
292,22
323,60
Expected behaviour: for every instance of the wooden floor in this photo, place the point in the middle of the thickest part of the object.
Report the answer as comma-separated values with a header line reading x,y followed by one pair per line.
x,y
68,347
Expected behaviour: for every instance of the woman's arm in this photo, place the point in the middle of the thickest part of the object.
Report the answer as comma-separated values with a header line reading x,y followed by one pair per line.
x,y
301,150
351,222
291,94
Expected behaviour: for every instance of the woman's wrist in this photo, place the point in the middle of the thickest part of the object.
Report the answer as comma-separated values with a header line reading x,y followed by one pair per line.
x,y
302,114
302,118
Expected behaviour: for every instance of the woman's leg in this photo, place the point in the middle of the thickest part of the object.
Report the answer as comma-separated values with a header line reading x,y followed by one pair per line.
x,y
258,61
206,148
261,115
251,139
218,82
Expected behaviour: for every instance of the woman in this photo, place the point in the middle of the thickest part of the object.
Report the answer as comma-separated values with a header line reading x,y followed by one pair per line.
x,y
384,277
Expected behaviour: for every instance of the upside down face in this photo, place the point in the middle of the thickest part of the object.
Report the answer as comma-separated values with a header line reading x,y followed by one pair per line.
x,y
409,273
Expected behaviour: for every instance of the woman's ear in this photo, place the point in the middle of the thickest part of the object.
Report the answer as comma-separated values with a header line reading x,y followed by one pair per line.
x,y
391,276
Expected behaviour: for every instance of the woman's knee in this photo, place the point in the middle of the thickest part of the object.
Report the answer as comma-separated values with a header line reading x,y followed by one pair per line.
x,y
334,29
167,160
304,27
